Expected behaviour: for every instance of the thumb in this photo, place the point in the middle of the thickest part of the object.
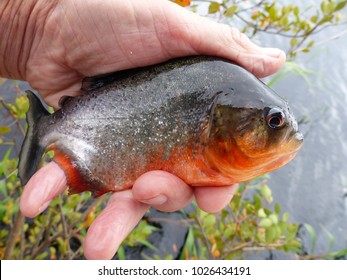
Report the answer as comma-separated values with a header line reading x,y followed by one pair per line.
x,y
198,35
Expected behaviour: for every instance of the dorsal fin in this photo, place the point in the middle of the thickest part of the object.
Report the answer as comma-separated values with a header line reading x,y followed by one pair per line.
x,y
98,81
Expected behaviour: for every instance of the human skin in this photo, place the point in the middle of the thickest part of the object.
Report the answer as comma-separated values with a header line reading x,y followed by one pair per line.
x,y
55,44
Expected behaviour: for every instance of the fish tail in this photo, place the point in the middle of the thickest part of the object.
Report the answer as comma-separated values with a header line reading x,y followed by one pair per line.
x,y
31,152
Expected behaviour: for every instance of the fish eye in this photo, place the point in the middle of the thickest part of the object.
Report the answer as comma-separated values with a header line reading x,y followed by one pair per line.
x,y
275,118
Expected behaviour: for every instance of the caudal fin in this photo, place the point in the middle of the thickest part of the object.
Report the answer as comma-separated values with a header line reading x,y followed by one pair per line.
x,y
31,151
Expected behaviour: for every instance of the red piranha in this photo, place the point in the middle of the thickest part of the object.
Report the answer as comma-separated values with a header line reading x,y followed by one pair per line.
x,y
204,119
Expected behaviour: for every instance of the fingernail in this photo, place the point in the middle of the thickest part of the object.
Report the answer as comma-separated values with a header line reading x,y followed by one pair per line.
x,y
275,53
158,200
43,207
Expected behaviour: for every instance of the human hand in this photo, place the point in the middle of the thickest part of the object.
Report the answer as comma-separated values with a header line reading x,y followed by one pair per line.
x,y
74,39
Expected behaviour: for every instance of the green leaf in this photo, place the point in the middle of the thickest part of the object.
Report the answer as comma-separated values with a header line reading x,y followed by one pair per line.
x,y
328,7
209,221
287,9
203,214
293,42
121,253
284,21
323,6
331,7
314,19
270,234
313,235
278,208
278,232
261,213
22,105
310,44
42,256
330,236
338,254
246,230
250,208
4,162
7,155
282,226
265,222
292,230
214,8
4,129
267,211
296,11
227,233
274,218
148,244
12,108
189,246
340,6
3,233
273,13
9,167
294,246
3,189
266,193
257,201
224,214
230,11
327,18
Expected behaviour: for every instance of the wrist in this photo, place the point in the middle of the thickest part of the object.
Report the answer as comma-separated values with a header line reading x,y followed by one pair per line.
x,y
21,24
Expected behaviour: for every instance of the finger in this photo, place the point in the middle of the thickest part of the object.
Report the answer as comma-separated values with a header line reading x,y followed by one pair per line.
x,y
162,191
44,185
193,34
113,225
214,199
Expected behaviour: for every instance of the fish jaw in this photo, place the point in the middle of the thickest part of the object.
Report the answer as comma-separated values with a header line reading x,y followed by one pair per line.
x,y
236,166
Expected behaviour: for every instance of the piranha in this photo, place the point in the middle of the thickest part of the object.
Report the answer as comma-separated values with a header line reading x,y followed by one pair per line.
x,y
204,119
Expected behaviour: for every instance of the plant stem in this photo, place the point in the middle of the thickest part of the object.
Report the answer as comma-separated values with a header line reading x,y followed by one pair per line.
x,y
16,230
238,247
205,239
22,243
65,230
51,239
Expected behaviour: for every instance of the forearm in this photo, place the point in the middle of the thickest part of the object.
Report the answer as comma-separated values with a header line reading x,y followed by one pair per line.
x,y
21,25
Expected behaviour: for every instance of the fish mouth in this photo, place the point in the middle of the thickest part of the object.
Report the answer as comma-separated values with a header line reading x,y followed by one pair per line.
x,y
293,146
298,138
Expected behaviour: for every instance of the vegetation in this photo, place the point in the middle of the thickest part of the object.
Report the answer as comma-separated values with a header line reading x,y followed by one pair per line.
x,y
247,224
271,17
251,222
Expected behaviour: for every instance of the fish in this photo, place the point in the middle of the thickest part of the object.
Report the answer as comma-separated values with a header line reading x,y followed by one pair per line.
x,y
204,119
